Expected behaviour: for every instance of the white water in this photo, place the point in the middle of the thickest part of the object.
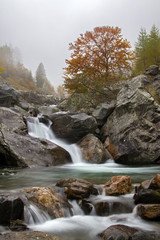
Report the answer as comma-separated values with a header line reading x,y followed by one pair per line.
x,y
81,226
40,130
87,227
33,215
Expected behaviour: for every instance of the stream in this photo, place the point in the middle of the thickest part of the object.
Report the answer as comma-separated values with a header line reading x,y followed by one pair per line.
x,y
79,226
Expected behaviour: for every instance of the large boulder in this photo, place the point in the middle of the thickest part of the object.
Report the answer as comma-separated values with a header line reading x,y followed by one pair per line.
x,y
17,148
28,236
132,131
8,96
77,188
49,200
93,150
102,112
72,126
118,185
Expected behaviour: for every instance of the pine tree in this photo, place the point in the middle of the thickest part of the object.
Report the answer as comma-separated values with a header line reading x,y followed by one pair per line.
x,y
40,76
147,49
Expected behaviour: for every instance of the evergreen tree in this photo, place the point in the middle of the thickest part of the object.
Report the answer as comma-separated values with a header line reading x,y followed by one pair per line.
x,y
40,76
154,46
141,50
147,49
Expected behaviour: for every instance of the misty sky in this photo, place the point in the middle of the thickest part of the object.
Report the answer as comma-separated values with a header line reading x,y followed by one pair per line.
x,y
43,29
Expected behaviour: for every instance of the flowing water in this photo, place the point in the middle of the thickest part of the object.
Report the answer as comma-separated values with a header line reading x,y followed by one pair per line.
x,y
79,226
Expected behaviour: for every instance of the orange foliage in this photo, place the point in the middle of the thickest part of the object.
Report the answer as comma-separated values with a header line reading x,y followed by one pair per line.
x,y
97,56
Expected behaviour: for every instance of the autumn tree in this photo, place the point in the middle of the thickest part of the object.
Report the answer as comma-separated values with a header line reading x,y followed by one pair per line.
x,y
147,49
97,57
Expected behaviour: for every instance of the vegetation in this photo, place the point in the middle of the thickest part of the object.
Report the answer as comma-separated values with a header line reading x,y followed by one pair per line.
x,y
42,83
97,58
14,72
147,49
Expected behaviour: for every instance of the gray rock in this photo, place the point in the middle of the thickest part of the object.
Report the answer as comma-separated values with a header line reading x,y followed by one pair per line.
x,y
17,148
8,96
72,126
102,112
132,131
37,99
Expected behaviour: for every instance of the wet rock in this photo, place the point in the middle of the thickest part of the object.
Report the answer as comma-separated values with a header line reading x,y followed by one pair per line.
x,y
102,112
17,148
93,150
153,184
149,211
118,185
146,235
149,191
122,232
17,225
28,236
77,188
133,129
11,208
49,200
72,126
147,196
118,232
106,208
86,206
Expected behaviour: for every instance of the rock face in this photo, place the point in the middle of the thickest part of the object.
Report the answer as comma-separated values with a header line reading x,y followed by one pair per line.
x,y
11,208
28,236
37,99
8,96
72,126
132,131
102,112
77,188
17,148
93,150
118,185
49,200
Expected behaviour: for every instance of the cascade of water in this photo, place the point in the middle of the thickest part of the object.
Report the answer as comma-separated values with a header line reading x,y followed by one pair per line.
x,y
33,215
76,208
40,130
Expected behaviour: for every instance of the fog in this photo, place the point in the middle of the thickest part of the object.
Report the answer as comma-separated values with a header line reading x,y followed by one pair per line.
x,y
43,29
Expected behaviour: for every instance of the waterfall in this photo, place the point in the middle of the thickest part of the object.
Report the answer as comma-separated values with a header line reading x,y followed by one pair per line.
x,y
40,130
33,215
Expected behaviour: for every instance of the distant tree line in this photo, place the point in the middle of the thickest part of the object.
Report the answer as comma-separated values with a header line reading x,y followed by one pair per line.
x,y
14,72
147,49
